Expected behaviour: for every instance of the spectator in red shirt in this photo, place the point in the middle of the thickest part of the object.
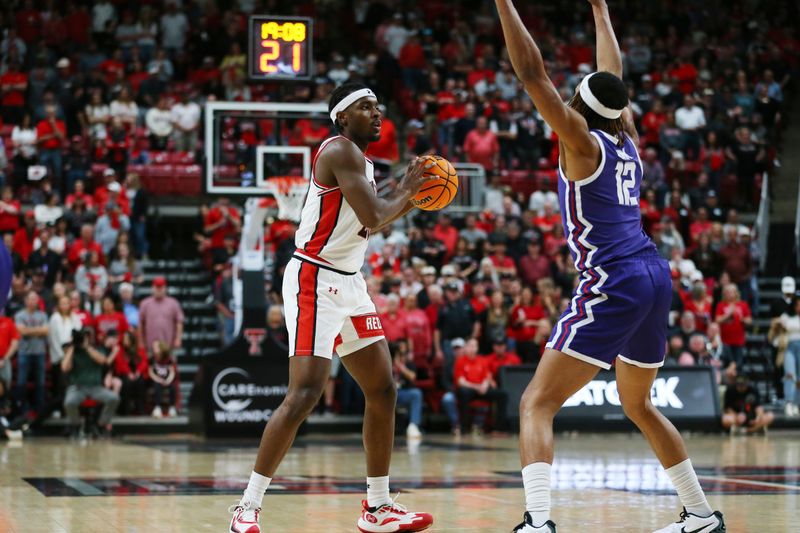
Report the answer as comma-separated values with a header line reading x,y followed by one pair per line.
x,y
686,74
76,301
13,85
418,328
445,100
222,220
394,320
480,73
385,263
652,122
698,301
386,149
131,367
78,250
79,192
481,146
548,218
700,225
113,192
24,237
501,357
733,315
109,320
50,135
9,341
113,66
473,381
503,264
445,232
529,325
10,210
479,301
412,61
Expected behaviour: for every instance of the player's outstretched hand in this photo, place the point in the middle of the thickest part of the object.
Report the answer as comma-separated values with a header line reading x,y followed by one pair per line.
x,y
415,174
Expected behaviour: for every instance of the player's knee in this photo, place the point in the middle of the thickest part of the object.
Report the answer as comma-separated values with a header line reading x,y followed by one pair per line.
x,y
300,402
638,409
533,400
384,392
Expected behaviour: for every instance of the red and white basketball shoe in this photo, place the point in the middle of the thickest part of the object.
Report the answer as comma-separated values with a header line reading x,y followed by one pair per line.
x,y
245,518
390,518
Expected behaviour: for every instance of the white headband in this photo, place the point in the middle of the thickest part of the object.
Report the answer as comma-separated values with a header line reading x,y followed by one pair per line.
x,y
594,104
349,100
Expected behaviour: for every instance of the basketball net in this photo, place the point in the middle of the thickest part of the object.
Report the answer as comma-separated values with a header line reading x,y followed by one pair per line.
x,y
290,193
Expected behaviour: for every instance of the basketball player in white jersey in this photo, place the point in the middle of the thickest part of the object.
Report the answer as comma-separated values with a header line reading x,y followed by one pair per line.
x,y
327,307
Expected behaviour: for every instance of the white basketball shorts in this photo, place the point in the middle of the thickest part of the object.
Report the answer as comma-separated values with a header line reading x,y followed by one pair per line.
x,y
327,309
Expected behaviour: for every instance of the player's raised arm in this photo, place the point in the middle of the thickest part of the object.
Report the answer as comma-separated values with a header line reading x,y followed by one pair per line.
x,y
609,58
529,66
347,163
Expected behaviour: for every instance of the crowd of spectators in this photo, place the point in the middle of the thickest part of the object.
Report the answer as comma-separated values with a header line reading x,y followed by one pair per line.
x,y
112,83
74,327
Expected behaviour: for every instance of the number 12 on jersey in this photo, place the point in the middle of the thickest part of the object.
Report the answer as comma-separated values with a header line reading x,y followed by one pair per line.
x,y
626,181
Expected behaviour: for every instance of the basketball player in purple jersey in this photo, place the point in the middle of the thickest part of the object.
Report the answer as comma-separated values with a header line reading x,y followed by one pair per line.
x,y
619,311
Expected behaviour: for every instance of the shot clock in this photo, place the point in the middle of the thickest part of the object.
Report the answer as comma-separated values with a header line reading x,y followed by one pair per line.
x,y
280,47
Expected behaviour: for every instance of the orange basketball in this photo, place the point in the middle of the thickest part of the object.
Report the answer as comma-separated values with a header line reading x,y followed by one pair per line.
x,y
440,190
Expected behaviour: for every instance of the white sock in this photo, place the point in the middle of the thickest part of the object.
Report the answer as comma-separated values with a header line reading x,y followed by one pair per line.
x,y
378,491
254,493
536,478
691,495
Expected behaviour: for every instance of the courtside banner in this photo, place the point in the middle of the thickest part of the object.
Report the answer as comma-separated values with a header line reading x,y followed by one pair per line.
x,y
239,395
686,395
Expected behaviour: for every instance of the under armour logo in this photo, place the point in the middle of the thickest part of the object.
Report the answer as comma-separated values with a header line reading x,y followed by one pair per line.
x,y
334,291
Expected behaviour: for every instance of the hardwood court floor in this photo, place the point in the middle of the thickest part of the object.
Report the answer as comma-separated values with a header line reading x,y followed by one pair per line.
x,y
602,483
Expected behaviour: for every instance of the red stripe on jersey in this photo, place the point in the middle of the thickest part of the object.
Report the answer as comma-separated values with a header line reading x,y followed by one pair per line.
x,y
314,164
329,207
306,309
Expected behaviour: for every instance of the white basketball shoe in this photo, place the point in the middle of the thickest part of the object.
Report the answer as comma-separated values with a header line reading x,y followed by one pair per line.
x,y
390,518
245,518
691,523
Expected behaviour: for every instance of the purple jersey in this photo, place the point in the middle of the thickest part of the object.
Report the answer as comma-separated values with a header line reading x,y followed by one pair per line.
x,y
601,214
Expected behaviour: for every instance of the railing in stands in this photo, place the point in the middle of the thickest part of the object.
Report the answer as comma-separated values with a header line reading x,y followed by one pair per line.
x,y
762,221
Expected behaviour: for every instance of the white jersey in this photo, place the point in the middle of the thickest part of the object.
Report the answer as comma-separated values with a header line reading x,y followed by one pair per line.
x,y
330,233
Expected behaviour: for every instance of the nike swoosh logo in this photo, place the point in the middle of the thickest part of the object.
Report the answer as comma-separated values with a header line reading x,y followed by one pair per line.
x,y
704,529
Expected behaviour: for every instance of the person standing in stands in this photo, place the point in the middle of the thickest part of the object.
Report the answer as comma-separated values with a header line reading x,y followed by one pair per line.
x,y
160,317
32,325
456,320
733,316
